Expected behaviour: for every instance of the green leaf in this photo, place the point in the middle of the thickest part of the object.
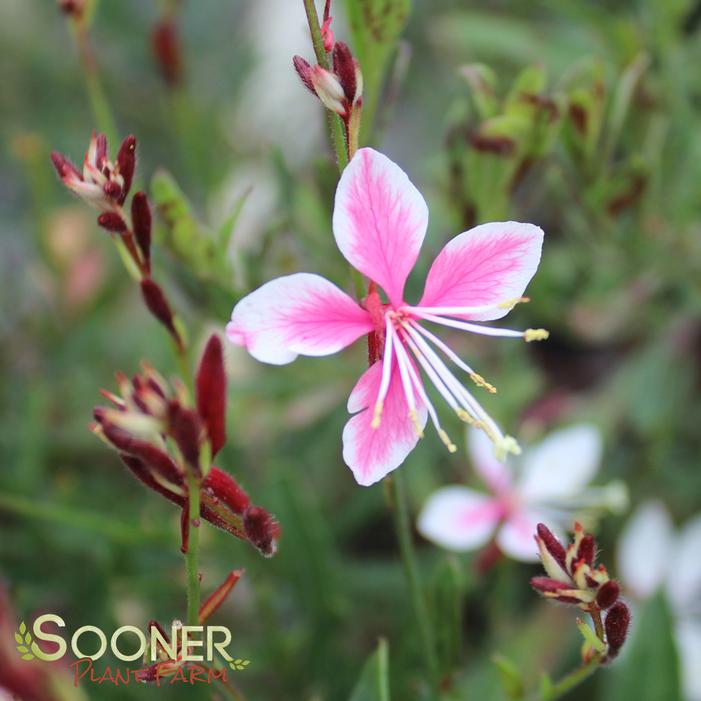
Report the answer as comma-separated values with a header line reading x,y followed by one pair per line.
x,y
22,628
22,648
18,638
373,684
28,656
446,597
648,669
509,676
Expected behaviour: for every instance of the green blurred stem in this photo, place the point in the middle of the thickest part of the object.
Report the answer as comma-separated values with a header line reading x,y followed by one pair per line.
x,y
101,109
336,129
400,508
569,682
193,550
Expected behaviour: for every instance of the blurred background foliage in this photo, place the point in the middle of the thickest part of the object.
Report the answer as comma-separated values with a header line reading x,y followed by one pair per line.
x,y
582,117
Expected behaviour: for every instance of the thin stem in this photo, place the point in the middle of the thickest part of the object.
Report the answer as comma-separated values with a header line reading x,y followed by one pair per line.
x,y
402,526
99,104
569,681
193,551
336,127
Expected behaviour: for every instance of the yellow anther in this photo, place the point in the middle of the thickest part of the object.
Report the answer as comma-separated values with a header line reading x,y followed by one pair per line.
x,y
535,335
464,416
510,303
377,415
481,382
446,441
506,445
417,426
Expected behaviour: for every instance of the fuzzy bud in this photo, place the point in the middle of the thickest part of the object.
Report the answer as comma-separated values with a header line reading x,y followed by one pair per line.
x,y
165,45
185,427
608,594
329,90
616,627
126,164
259,527
552,554
141,221
304,71
222,487
157,304
211,393
112,222
348,71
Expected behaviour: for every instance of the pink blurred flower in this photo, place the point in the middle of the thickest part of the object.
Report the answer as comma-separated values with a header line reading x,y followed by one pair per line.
x,y
549,485
652,556
379,223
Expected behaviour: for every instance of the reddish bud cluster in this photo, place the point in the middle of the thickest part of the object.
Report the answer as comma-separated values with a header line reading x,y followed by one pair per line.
x,y
160,438
341,89
105,185
72,8
574,578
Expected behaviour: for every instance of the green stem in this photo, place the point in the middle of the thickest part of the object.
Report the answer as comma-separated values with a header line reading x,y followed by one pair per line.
x,y
403,528
336,129
193,551
99,105
570,681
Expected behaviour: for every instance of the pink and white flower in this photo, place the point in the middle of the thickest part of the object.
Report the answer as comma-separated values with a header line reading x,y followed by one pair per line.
x,y
548,486
379,224
653,556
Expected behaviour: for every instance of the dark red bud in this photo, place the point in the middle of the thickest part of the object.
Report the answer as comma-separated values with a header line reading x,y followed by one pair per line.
x,y
222,486
142,473
64,167
578,116
344,68
211,393
553,545
616,626
185,427
141,221
158,305
218,596
165,45
259,527
111,221
152,457
586,550
126,162
72,8
608,594
304,71
499,145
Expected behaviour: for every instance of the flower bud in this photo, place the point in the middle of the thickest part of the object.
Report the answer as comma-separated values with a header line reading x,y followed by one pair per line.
x,y
348,71
185,427
126,164
165,45
329,90
211,393
260,529
141,222
112,222
616,627
552,554
608,594
304,71
157,304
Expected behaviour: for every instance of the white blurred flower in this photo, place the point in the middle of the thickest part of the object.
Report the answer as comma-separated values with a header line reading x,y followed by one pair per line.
x,y
549,485
653,556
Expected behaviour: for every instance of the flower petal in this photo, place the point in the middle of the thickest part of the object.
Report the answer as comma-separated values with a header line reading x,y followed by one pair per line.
x,y
300,314
489,264
516,538
458,518
684,580
688,636
379,220
644,549
372,453
562,464
495,474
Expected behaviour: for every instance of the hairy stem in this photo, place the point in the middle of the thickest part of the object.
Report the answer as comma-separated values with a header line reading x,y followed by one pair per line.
x,y
402,526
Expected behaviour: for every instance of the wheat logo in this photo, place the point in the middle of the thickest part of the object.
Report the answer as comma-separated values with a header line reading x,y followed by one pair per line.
x,y
23,638
239,664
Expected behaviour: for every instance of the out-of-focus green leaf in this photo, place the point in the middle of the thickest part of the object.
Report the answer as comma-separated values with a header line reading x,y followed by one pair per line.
x,y
446,597
509,676
373,684
649,669
375,27
483,83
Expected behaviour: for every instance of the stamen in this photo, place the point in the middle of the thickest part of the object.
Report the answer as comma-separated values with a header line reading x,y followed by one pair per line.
x,y
402,363
479,309
485,422
418,385
386,375
467,326
481,382
535,335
